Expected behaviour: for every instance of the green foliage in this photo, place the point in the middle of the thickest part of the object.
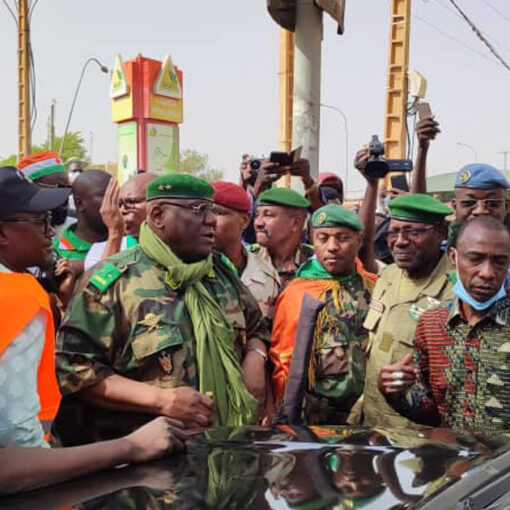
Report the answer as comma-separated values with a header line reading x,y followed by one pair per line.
x,y
196,163
74,147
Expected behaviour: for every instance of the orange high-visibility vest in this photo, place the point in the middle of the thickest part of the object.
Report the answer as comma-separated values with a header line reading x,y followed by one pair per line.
x,y
21,298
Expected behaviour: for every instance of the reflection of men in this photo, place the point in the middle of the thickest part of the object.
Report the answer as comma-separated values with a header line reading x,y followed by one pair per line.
x,y
232,207
160,326
76,240
417,281
333,368
461,348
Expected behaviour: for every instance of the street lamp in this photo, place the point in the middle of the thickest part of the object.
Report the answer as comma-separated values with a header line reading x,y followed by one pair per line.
x,y
346,141
470,148
103,69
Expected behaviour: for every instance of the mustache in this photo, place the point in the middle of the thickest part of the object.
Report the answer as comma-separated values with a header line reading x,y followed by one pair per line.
x,y
265,232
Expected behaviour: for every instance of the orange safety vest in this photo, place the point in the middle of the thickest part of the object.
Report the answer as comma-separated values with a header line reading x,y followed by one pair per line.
x,y
21,298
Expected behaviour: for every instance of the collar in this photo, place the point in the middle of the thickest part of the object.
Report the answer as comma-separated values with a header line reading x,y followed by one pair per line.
x,y
4,269
499,312
77,243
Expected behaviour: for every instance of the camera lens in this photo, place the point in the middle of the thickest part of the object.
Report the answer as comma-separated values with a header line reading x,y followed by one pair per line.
x,y
255,164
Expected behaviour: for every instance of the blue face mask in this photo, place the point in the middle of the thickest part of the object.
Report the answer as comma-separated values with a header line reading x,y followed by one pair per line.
x,y
460,291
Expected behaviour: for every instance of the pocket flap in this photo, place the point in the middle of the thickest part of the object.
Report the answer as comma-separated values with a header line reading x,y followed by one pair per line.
x,y
149,342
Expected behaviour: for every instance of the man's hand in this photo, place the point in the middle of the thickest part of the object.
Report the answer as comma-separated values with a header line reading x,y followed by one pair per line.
x,y
254,371
187,405
156,439
301,168
399,377
426,130
268,173
110,211
66,278
360,163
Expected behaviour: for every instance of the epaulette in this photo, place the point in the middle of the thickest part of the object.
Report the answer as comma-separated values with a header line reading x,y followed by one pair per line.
x,y
253,247
105,277
226,262
452,276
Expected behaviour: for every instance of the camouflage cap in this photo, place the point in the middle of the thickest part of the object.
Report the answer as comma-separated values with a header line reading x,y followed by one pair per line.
x,y
285,197
179,186
334,215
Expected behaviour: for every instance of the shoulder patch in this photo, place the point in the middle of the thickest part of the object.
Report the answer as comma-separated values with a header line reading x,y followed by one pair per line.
x,y
105,277
253,247
452,276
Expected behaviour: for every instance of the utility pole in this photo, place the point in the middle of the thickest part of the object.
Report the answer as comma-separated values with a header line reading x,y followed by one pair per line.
x,y
505,156
395,136
307,81
286,93
51,126
24,118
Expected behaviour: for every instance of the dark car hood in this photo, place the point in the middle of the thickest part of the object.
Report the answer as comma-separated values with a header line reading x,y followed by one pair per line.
x,y
306,468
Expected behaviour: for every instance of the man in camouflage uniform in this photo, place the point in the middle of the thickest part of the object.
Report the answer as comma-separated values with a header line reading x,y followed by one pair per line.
x,y
232,206
129,347
280,217
418,281
328,358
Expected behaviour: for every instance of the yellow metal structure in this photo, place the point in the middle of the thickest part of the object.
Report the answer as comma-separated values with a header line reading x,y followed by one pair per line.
x,y
286,93
395,137
24,128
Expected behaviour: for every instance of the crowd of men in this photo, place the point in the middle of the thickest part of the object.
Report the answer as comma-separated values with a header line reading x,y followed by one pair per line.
x,y
229,305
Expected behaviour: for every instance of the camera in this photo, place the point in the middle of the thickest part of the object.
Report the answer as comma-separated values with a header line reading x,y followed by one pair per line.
x,y
256,163
378,167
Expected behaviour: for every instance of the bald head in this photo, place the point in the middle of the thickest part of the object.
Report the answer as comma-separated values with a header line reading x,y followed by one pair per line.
x,y
91,182
137,184
132,202
88,191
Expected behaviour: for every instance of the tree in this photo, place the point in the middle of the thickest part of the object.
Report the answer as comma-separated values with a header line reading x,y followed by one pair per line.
x,y
74,147
196,163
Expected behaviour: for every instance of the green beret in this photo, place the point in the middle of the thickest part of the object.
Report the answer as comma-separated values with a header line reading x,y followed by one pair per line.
x,y
418,207
283,196
179,186
334,215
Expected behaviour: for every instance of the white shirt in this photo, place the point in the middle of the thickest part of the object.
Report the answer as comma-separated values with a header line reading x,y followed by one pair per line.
x,y
19,400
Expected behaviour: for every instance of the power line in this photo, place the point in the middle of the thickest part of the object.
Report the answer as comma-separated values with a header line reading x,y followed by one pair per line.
x,y
480,36
506,18
11,11
451,37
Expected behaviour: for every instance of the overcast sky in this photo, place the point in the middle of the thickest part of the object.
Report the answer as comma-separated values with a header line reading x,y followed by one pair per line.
x,y
228,51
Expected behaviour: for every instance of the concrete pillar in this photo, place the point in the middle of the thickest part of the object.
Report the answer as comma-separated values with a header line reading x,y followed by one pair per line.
x,y
307,83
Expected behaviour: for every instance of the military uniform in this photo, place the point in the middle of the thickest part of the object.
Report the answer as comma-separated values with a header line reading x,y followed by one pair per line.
x,y
391,321
397,303
139,328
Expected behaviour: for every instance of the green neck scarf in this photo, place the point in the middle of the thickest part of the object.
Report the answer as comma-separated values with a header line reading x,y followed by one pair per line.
x,y
313,270
218,369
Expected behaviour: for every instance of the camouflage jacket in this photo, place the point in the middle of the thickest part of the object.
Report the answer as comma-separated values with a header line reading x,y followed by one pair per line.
x,y
128,321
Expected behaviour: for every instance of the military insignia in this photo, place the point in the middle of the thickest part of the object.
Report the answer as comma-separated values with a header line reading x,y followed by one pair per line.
x,y
165,187
415,311
105,277
465,176
150,320
321,218
165,360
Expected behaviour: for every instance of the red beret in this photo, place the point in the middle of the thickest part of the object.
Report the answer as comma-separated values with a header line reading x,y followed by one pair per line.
x,y
232,196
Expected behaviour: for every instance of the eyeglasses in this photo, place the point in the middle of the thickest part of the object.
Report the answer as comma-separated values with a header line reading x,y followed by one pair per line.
x,y
410,233
130,203
198,209
487,203
45,221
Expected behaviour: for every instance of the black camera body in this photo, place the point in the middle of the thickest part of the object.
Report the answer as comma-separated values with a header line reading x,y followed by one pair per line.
x,y
256,163
378,167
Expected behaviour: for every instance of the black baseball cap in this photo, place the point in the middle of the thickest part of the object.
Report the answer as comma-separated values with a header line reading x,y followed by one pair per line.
x,y
18,194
